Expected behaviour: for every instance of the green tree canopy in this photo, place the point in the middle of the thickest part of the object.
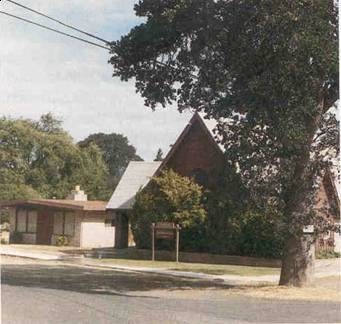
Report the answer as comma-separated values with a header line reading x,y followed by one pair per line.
x,y
39,159
159,155
169,198
268,68
117,152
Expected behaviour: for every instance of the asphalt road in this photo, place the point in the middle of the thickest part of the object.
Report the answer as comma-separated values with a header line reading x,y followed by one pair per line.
x,y
44,293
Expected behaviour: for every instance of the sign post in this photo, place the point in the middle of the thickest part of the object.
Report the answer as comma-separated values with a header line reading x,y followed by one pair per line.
x,y
165,231
177,243
153,241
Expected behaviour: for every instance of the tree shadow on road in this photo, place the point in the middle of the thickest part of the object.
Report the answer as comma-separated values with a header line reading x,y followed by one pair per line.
x,y
96,281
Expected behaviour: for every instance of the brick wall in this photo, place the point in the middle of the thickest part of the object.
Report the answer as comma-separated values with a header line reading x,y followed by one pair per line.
x,y
323,199
196,151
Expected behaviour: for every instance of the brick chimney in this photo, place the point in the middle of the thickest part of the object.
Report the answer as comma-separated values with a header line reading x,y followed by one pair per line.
x,y
77,194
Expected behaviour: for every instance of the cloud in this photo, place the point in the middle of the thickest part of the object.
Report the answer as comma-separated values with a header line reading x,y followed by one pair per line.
x,y
41,71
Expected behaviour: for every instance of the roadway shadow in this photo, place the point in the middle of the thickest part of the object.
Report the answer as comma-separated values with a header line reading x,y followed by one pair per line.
x,y
95,281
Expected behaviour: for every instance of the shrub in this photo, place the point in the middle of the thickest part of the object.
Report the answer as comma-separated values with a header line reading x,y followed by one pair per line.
x,y
62,240
225,202
16,237
327,254
259,235
169,198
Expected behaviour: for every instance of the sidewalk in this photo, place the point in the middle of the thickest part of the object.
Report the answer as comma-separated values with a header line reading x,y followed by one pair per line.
x,y
16,252
223,279
324,268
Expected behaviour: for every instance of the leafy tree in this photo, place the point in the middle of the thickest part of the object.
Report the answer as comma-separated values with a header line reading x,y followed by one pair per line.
x,y
39,159
270,68
169,198
50,124
258,235
117,152
93,174
226,203
159,155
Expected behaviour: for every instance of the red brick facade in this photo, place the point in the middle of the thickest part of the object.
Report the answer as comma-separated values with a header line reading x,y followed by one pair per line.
x,y
327,203
195,152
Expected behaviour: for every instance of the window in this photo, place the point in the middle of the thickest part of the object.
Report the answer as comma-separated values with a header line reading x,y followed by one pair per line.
x,y
26,221
58,221
64,223
21,220
32,221
69,224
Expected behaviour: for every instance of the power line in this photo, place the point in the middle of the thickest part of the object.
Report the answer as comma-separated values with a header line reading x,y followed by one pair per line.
x,y
58,21
74,28
54,30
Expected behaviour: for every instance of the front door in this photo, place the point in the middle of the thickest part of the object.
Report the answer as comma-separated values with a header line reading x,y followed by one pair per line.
x,y
44,227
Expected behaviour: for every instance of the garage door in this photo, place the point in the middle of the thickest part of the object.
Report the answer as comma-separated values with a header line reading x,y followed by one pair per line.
x,y
97,234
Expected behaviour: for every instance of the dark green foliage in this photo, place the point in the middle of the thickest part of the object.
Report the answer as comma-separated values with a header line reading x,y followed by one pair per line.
x,y
234,225
259,235
62,240
268,67
225,202
16,237
39,159
117,152
172,198
327,254
159,155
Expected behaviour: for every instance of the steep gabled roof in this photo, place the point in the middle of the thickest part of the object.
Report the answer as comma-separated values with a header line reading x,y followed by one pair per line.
x,y
208,125
138,174
135,177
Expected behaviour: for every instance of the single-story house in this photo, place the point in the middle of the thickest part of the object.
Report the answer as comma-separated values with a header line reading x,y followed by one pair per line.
x,y
196,154
84,223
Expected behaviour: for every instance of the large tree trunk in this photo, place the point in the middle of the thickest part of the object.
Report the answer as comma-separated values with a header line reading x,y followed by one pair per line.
x,y
298,261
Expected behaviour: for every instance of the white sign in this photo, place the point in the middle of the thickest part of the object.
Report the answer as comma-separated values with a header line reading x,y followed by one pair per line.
x,y
309,229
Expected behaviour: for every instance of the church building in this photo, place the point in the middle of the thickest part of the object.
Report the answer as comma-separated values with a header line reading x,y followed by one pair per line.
x,y
196,154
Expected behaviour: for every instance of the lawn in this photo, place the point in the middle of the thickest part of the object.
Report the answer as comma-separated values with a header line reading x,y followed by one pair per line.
x,y
322,289
213,269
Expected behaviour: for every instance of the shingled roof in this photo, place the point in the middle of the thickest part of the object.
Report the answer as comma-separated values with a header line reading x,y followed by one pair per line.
x,y
136,176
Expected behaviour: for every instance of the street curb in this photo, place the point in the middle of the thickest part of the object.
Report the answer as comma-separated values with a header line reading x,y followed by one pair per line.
x,y
223,279
240,280
235,280
33,256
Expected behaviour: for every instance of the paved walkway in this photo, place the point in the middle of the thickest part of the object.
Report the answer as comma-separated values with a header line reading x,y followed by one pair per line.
x,y
32,254
323,268
224,279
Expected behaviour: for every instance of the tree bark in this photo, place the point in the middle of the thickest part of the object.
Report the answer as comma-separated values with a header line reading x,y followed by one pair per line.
x,y
298,261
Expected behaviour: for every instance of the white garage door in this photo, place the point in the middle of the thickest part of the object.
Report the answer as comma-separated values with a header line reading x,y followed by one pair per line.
x,y
97,234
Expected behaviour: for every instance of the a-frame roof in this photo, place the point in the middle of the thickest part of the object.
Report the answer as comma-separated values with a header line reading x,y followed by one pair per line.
x,y
209,127
138,174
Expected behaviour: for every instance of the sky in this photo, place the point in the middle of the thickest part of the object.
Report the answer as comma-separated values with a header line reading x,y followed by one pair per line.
x,y
42,72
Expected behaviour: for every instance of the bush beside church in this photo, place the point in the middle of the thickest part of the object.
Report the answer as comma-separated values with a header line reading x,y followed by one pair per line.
x,y
215,221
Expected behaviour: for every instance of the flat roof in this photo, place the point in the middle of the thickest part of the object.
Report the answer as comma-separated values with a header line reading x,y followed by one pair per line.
x,y
90,205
